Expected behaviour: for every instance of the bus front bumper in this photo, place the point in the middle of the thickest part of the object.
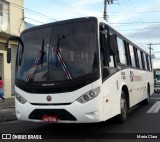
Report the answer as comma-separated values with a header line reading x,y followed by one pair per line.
x,y
72,113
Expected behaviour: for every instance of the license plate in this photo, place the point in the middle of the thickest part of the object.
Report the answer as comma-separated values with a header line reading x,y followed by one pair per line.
x,y
52,119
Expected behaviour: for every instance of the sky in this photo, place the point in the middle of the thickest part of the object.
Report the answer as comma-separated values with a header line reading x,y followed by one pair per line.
x,y
138,20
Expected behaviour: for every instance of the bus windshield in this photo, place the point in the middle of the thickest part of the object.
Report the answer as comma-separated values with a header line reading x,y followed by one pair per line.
x,y
58,52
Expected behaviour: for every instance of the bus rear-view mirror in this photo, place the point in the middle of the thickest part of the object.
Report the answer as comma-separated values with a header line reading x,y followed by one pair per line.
x,y
15,39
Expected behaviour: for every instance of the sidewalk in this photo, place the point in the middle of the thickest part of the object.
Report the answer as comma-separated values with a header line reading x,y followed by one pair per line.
x,y
7,110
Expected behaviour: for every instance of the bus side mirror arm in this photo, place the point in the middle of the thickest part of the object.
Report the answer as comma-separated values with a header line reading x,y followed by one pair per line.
x,y
14,38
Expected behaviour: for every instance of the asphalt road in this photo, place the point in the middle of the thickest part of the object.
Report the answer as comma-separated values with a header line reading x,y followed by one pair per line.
x,y
143,121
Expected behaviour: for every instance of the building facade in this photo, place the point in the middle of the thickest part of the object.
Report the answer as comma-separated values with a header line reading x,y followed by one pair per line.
x,y
11,24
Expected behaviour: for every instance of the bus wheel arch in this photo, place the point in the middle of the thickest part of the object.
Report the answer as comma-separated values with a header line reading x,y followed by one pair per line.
x,y
125,90
124,104
147,100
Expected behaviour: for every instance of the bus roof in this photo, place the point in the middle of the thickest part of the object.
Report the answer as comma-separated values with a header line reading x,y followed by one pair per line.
x,y
61,23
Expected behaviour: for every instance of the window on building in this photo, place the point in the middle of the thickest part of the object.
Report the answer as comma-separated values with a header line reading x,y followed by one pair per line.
x,y
140,59
121,49
131,48
4,16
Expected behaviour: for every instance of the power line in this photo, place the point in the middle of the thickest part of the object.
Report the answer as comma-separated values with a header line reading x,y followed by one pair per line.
x,y
33,12
28,25
33,20
132,13
147,33
122,9
66,5
141,29
117,12
145,22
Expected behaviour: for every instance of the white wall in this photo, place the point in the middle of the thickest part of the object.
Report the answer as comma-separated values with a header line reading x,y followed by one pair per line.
x,y
16,26
16,15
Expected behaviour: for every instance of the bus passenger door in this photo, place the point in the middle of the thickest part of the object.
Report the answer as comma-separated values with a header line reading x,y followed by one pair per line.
x,y
109,83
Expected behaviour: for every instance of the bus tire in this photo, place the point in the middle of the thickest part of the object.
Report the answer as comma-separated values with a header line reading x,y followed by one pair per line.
x,y
147,100
123,106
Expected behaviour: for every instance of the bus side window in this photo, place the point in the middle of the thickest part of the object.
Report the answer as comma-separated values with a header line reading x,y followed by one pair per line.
x,y
132,54
121,50
127,51
148,68
136,57
140,59
112,62
145,61
149,63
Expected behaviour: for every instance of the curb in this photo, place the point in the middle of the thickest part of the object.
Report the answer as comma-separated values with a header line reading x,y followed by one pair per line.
x,y
7,114
4,119
7,108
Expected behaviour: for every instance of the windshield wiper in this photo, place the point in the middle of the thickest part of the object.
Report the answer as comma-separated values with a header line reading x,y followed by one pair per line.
x,y
37,63
61,59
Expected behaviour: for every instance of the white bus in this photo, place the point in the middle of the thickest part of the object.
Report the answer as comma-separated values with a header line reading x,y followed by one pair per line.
x,y
79,71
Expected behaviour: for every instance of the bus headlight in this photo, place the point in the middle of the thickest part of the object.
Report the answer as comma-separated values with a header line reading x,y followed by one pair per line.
x,y
89,95
21,99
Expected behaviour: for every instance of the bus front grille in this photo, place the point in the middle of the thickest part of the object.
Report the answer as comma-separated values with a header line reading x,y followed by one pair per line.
x,y
47,104
61,114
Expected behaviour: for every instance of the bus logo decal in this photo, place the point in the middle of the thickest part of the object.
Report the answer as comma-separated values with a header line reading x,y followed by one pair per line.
x,y
134,77
49,98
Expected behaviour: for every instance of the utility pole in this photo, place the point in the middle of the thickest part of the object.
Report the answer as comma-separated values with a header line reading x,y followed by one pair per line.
x,y
105,10
105,16
150,48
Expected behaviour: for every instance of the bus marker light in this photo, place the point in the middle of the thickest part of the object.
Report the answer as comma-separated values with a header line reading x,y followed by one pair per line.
x,y
107,100
86,97
92,94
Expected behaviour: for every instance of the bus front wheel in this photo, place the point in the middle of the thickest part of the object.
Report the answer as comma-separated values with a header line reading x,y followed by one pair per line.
x,y
123,106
